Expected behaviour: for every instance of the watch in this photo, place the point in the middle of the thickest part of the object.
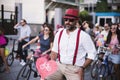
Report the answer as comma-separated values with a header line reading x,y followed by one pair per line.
x,y
82,67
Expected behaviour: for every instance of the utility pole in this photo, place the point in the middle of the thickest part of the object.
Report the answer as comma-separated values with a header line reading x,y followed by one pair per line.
x,y
2,14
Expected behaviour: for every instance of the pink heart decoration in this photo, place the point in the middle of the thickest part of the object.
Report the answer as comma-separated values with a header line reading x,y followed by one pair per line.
x,y
45,67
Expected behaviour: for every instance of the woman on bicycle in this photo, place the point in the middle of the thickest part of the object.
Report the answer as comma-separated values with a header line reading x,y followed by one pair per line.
x,y
45,40
3,43
113,39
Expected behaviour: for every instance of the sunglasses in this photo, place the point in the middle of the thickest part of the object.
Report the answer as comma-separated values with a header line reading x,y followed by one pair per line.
x,y
83,24
113,28
21,22
105,26
70,20
46,30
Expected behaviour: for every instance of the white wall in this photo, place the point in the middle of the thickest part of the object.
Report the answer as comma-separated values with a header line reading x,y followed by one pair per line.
x,y
34,11
8,4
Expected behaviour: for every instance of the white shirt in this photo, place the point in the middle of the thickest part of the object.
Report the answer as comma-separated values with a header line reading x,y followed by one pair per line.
x,y
68,44
24,31
104,33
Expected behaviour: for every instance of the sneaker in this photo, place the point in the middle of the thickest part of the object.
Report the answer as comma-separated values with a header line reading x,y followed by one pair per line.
x,y
23,63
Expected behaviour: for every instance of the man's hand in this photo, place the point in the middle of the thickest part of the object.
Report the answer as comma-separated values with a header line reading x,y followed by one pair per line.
x,y
81,73
53,55
20,39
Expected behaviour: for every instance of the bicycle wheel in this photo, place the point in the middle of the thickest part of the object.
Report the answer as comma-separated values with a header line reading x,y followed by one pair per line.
x,y
10,59
111,72
111,68
102,72
94,70
24,73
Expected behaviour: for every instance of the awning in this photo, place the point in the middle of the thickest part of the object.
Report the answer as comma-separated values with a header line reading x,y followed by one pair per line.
x,y
107,14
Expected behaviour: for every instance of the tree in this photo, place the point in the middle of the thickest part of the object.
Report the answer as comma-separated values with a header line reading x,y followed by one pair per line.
x,y
102,6
84,16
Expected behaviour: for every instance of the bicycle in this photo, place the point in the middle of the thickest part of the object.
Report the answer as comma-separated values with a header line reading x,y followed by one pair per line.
x,y
105,68
28,68
97,62
10,57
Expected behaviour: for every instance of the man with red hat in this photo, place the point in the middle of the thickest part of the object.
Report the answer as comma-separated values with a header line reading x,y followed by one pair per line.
x,y
70,47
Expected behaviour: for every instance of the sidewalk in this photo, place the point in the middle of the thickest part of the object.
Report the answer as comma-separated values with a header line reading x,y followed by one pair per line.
x,y
14,70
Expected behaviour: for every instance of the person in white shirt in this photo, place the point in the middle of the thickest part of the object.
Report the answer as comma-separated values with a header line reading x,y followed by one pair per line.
x,y
105,31
70,46
24,36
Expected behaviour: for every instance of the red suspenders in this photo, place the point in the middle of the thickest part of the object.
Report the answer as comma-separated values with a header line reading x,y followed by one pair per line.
x,y
76,49
58,44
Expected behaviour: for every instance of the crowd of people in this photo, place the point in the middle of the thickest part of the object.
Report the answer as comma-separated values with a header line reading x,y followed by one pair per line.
x,y
74,45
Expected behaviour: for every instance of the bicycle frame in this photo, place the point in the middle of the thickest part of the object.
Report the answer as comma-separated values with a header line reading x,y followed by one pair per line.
x,y
24,72
98,62
106,69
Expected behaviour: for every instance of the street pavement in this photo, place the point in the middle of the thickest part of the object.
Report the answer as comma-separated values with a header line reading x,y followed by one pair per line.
x,y
15,68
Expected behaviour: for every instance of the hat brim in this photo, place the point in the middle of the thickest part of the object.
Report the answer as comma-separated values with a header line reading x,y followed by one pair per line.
x,y
69,17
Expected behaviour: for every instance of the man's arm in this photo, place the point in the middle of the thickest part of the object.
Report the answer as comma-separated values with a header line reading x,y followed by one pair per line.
x,y
87,63
15,27
90,49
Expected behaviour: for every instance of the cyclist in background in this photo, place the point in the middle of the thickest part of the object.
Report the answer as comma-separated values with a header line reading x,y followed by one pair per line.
x,y
45,39
25,33
113,39
87,27
105,31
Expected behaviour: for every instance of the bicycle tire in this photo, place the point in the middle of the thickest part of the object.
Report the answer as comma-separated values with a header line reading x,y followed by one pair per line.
x,y
111,67
10,59
102,72
94,70
24,73
111,72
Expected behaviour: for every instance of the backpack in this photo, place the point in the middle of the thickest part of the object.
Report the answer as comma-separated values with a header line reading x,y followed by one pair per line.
x,y
3,40
7,40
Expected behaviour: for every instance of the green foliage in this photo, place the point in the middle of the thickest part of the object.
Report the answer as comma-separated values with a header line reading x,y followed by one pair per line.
x,y
102,6
84,16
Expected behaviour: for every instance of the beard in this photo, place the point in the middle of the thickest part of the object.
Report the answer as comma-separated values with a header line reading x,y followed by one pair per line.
x,y
70,27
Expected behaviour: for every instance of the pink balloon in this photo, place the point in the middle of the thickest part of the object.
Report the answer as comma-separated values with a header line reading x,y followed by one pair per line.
x,y
45,67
